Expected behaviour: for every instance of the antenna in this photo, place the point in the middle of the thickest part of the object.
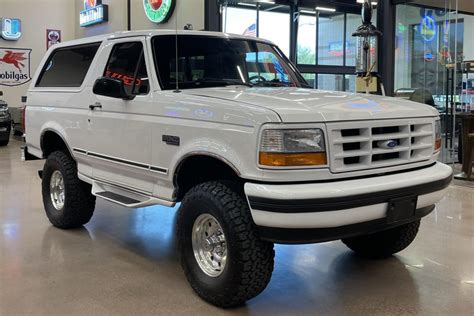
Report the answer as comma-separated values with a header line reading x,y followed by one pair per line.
x,y
176,56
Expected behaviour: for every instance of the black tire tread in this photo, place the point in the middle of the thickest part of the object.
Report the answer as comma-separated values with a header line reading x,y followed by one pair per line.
x,y
257,256
80,203
385,243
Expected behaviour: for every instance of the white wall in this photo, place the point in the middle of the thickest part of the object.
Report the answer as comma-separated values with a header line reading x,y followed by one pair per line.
x,y
186,11
36,17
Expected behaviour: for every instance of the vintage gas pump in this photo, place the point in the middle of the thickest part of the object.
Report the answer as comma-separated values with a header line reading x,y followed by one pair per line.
x,y
366,55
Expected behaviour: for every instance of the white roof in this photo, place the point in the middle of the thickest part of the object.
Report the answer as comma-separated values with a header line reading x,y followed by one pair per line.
x,y
125,34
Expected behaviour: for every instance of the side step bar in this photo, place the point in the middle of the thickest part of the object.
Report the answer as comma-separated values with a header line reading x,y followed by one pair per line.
x,y
125,197
111,196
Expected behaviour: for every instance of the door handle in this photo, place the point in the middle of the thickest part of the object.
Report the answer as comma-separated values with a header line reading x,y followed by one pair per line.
x,y
96,105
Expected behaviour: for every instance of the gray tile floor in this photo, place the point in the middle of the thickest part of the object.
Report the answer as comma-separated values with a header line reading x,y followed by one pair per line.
x,y
126,262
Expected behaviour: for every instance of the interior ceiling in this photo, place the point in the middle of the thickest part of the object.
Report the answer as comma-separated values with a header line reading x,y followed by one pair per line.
x,y
463,5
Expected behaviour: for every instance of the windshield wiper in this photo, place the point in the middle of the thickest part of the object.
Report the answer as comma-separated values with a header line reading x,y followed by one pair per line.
x,y
222,82
272,83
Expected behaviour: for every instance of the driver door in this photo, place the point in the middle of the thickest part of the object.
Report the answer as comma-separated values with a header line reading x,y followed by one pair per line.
x,y
120,143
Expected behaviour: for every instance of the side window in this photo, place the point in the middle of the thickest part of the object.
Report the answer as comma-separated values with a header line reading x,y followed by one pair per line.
x,y
67,67
127,63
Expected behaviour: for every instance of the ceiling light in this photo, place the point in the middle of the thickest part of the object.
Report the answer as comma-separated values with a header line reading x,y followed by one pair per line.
x,y
325,9
247,4
308,11
362,2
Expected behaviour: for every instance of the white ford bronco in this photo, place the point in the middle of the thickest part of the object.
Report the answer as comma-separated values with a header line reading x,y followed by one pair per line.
x,y
227,126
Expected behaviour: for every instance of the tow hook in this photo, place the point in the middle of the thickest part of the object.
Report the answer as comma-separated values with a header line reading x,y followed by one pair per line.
x,y
40,174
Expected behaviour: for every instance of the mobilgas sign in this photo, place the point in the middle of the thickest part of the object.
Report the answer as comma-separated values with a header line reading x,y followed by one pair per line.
x,y
10,29
94,13
14,66
158,11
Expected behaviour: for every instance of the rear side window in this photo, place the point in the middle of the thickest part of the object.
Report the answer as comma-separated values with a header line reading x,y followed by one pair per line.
x,y
127,63
67,67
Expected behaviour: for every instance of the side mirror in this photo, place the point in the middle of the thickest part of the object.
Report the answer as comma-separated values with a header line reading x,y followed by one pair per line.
x,y
111,87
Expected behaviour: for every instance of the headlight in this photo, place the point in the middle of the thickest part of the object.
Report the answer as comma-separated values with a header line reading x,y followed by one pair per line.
x,y
292,147
437,144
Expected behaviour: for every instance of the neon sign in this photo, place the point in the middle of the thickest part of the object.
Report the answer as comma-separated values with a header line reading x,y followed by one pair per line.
x,y
10,29
428,28
94,13
158,11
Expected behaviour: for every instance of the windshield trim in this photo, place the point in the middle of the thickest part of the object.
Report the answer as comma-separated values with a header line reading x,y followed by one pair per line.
x,y
295,72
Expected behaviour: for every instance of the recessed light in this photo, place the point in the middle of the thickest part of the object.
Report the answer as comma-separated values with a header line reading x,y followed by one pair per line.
x,y
325,9
247,4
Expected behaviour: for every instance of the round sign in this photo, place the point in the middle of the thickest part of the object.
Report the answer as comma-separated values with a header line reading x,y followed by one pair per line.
x,y
158,11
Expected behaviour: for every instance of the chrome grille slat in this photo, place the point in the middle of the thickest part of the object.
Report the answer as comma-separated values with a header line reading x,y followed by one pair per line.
x,y
355,145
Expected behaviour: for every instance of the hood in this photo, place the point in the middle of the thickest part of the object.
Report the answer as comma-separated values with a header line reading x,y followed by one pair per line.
x,y
308,105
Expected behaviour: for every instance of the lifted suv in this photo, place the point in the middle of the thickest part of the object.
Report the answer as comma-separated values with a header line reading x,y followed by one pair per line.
x,y
228,127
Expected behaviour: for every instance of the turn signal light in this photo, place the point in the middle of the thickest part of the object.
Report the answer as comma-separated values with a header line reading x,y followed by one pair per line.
x,y
292,159
437,144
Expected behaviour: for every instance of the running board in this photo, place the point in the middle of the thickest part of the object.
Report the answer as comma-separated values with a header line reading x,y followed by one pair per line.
x,y
125,197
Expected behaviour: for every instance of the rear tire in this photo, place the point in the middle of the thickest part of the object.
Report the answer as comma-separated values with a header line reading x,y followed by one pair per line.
x,y
248,261
73,205
385,243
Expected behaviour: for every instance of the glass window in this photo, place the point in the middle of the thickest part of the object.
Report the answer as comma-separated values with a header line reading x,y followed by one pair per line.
x,y
306,40
350,83
127,64
67,67
353,22
216,61
240,21
275,27
331,39
310,79
330,82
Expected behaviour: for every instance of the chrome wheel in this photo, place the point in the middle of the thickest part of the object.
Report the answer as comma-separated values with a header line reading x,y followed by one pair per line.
x,y
56,189
209,245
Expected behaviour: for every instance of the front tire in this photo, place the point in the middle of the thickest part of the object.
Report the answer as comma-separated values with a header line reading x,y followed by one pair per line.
x,y
68,201
223,257
385,243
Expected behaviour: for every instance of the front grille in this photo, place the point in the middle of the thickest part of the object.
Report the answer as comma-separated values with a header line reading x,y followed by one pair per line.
x,y
363,145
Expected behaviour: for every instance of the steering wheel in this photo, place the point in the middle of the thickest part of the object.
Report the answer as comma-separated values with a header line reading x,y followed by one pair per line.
x,y
257,78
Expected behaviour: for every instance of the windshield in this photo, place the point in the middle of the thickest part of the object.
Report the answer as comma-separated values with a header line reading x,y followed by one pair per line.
x,y
218,61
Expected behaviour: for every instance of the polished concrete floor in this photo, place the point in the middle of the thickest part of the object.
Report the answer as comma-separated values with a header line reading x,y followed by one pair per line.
x,y
125,262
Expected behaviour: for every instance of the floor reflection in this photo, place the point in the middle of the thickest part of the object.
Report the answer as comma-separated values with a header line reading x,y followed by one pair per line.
x,y
126,262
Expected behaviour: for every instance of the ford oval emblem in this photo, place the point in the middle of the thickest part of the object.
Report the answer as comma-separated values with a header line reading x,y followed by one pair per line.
x,y
391,143
387,144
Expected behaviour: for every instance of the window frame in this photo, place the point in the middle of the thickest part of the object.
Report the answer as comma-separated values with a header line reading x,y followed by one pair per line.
x,y
40,76
143,54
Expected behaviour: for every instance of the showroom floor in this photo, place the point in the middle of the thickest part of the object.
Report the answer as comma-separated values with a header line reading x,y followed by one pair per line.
x,y
125,262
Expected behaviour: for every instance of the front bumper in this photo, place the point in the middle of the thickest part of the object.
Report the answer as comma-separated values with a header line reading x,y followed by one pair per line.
x,y
315,212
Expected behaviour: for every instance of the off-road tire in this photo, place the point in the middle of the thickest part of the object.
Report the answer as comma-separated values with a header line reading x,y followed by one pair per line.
x,y
249,259
5,142
385,243
79,202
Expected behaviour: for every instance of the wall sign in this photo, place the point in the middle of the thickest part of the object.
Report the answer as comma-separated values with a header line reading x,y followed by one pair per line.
x,y
159,11
53,37
428,28
14,66
10,29
94,13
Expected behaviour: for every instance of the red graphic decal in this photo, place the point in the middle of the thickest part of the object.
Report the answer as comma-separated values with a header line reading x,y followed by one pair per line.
x,y
127,80
14,59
